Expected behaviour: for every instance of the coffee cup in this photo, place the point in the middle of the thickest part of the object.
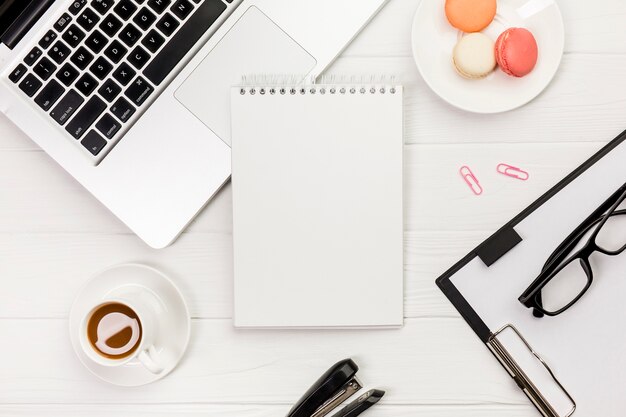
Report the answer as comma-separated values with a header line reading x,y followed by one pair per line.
x,y
122,329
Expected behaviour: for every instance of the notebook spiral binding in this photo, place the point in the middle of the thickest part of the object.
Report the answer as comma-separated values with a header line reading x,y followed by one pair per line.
x,y
287,85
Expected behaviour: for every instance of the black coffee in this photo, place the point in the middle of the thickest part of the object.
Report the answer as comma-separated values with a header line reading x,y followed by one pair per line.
x,y
114,331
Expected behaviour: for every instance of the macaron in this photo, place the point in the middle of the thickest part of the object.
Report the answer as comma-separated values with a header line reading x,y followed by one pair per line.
x,y
473,56
470,15
516,52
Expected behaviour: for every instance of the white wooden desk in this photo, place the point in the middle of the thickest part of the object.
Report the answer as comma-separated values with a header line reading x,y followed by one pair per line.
x,y
54,236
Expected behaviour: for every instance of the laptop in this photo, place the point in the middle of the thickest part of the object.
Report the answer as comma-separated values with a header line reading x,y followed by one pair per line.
x,y
131,97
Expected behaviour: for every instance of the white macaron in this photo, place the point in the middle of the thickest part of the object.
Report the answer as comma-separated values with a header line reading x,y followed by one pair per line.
x,y
474,56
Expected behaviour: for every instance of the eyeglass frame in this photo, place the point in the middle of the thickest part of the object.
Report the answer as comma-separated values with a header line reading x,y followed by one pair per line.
x,y
561,258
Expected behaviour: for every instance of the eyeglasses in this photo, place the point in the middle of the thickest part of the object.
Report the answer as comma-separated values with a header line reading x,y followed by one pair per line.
x,y
567,274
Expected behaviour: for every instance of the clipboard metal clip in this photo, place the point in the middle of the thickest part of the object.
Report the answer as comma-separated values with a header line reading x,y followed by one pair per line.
x,y
520,377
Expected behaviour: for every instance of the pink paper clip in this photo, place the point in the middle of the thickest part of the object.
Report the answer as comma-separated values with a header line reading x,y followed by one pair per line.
x,y
471,180
513,172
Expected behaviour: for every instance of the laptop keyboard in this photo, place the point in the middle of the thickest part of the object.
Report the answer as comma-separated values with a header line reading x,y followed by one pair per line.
x,y
102,60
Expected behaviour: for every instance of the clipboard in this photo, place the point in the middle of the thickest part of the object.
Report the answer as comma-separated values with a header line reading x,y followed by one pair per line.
x,y
573,363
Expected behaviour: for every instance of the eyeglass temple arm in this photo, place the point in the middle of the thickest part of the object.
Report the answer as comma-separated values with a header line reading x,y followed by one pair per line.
x,y
594,218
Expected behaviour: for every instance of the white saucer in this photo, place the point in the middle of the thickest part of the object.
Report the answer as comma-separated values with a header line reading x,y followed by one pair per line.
x,y
434,38
174,321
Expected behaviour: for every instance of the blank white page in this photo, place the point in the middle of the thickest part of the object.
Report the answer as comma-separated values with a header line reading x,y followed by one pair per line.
x,y
317,209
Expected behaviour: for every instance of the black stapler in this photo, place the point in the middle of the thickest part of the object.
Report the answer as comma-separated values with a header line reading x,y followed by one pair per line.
x,y
332,389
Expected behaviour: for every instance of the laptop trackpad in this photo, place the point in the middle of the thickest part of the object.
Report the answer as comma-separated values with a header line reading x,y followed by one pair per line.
x,y
254,45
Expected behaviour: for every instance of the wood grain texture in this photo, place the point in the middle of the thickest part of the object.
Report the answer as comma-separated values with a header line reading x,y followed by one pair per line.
x,y
200,264
252,410
77,237
54,236
429,361
581,105
48,200
591,27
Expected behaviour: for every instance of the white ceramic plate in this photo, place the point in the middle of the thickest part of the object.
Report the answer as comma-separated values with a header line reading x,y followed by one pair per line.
x,y
434,38
174,321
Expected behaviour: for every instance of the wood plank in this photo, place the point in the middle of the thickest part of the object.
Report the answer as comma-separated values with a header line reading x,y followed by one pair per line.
x,y
200,264
443,222
574,108
44,199
428,362
254,410
437,198
13,138
590,27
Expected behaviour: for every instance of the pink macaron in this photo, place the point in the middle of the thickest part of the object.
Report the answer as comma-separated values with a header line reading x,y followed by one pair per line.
x,y
516,52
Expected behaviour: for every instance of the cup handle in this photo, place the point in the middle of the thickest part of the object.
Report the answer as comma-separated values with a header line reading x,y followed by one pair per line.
x,y
147,359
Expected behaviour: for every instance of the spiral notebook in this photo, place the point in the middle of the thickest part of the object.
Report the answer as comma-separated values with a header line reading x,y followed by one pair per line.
x,y
317,205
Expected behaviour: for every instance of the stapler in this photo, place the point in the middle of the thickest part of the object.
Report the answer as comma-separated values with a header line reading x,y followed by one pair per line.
x,y
332,390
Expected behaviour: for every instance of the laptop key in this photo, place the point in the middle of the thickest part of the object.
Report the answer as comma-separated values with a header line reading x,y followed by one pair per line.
x,y
66,107
59,52
182,8
96,41
93,142
47,39
88,19
167,24
153,41
17,73
44,68
178,46
67,74
130,35
85,117
111,25
32,56
109,90
77,6
101,68
159,6
138,91
108,126
138,57
122,109
30,85
101,6
125,9
145,18
86,84
124,73
81,58
49,95
115,52
62,22
73,35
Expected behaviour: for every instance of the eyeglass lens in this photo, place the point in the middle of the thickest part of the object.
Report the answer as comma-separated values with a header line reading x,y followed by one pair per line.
x,y
564,287
612,236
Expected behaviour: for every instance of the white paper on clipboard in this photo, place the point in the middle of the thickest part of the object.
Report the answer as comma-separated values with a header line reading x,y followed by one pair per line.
x,y
585,346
